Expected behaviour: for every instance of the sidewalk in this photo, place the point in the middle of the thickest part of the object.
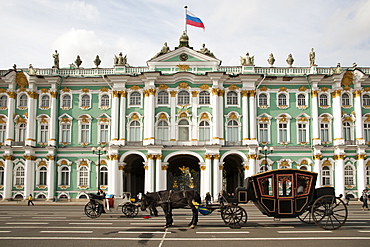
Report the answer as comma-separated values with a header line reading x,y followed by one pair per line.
x,y
44,203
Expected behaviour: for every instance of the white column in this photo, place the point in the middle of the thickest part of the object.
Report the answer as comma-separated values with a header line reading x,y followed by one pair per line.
x,y
115,117
252,165
8,176
220,118
51,175
206,174
317,169
215,113
359,121
337,114
10,124
29,174
173,137
217,176
315,119
122,118
53,119
339,175
149,171
31,120
161,179
195,127
113,175
252,116
245,126
361,184
149,116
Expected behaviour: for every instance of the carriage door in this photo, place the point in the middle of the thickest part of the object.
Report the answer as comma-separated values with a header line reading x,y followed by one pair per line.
x,y
285,194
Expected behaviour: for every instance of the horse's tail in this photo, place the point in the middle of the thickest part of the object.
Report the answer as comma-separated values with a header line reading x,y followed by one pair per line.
x,y
197,197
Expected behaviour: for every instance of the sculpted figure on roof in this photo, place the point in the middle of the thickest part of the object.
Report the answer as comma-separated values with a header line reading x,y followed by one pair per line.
x,y
165,49
290,60
56,59
271,60
120,60
312,58
247,60
206,51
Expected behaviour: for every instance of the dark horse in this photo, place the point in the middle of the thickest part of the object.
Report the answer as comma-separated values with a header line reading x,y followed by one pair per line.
x,y
169,200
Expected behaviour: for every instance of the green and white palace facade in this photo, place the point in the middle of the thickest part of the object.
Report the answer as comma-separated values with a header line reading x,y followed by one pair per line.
x,y
181,122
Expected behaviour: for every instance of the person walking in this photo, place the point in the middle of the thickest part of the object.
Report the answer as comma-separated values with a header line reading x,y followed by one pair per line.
x,y
208,199
30,200
348,198
364,197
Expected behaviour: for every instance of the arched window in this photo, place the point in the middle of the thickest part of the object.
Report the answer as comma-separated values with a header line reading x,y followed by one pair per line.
x,y
204,131
301,100
345,99
326,176
262,100
183,98
43,176
1,175
232,131
3,101
104,176
64,176
162,131
323,100
162,98
135,98
365,100
204,98
232,98
104,101
66,101
304,168
45,101
83,176
19,175
23,100
183,130
348,175
282,100
135,128
85,100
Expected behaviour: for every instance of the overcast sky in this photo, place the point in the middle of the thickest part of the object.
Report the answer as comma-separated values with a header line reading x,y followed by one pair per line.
x,y
31,30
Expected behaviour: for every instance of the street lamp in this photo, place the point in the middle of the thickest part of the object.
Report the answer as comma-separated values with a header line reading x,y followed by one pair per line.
x,y
266,151
99,151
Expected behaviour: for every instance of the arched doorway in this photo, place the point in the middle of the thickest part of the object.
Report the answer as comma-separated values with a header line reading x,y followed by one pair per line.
x,y
134,174
183,173
233,173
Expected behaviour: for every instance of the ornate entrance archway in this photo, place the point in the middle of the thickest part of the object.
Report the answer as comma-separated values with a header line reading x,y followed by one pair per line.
x,y
233,173
133,174
183,173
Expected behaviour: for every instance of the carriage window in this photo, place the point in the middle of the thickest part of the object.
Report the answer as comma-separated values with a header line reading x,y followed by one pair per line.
x,y
303,184
285,185
265,185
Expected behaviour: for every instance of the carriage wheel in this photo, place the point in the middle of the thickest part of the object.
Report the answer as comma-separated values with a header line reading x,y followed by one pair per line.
x,y
234,215
93,210
130,210
329,212
306,217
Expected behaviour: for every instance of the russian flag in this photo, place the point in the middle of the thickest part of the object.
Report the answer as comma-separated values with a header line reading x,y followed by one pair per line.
x,y
192,20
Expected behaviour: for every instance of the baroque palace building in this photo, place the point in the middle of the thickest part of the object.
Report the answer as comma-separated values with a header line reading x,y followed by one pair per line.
x,y
181,122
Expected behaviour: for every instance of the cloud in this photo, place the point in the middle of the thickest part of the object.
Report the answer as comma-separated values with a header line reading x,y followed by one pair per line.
x,y
83,11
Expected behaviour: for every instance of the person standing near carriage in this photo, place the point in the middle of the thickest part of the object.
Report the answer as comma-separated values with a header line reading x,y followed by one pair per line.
x,y
364,197
208,199
30,198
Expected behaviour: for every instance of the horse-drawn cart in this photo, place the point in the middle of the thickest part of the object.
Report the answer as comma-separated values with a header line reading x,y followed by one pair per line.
x,y
98,203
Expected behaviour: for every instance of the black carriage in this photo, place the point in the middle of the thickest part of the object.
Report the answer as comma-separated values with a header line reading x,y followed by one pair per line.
x,y
287,193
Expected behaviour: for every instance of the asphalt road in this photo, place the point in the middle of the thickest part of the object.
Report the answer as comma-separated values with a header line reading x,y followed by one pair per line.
x,y
67,225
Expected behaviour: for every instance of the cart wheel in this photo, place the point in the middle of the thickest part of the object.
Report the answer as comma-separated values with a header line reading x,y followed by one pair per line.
x,y
93,210
329,212
306,217
234,216
130,210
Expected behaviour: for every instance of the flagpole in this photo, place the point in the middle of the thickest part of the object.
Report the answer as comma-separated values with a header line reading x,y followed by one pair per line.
x,y
186,28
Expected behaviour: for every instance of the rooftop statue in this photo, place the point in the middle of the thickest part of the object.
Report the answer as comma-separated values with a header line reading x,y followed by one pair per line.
x,y
31,70
205,51
290,60
271,60
184,40
97,61
312,58
165,49
120,60
247,60
56,60
338,69
78,61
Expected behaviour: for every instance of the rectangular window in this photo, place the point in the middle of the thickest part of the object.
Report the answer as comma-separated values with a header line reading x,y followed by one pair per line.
x,y
66,133
302,131
324,132
44,133
2,133
104,133
85,133
283,132
263,132
367,132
